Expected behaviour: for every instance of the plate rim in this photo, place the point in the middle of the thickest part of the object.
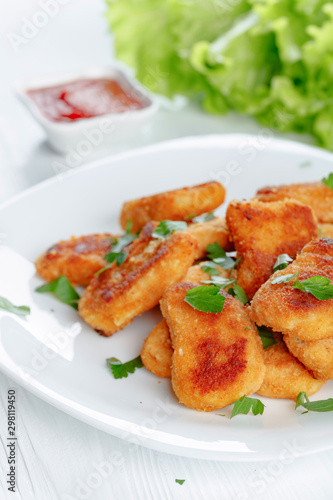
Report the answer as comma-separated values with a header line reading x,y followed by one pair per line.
x,y
193,140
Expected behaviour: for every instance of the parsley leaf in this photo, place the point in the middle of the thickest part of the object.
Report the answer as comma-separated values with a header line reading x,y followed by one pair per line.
x,y
189,217
9,306
63,290
214,250
319,286
238,292
282,262
245,404
180,481
267,337
129,225
118,244
227,262
119,257
284,279
205,299
219,281
329,181
121,370
204,218
216,253
166,227
210,268
318,406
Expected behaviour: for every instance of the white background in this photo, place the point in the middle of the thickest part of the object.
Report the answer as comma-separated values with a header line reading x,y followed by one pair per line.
x,y
57,454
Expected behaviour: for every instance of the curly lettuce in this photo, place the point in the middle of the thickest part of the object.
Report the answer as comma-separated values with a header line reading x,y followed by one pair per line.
x,y
269,59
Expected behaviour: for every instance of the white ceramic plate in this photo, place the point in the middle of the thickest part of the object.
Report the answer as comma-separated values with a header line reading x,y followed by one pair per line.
x,y
72,375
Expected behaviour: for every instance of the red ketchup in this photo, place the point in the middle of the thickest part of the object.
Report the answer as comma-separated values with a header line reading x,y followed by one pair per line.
x,y
84,98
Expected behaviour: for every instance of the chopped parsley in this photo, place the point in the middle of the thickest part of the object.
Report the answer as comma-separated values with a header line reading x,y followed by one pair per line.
x,y
305,164
9,306
319,286
189,217
318,406
238,292
204,218
219,281
214,250
267,337
284,279
121,370
166,227
211,268
63,290
245,404
216,253
180,481
282,262
205,298
117,247
329,181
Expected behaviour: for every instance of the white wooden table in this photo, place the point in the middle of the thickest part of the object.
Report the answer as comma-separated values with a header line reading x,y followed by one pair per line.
x,y
58,456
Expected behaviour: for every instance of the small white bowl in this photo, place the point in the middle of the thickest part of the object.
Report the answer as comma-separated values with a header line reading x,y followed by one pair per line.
x,y
111,127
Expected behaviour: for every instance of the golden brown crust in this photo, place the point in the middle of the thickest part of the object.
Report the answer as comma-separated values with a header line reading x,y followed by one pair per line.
x,y
316,355
78,258
115,297
263,231
157,351
315,194
285,376
178,204
294,312
217,357
325,231
214,231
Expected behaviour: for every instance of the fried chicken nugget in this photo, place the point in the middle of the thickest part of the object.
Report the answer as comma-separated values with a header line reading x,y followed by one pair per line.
x,y
315,194
316,355
78,258
294,312
156,353
285,377
213,231
115,297
263,231
178,204
217,358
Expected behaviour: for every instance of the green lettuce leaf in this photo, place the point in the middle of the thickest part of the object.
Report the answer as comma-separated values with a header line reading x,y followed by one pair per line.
x,y
270,60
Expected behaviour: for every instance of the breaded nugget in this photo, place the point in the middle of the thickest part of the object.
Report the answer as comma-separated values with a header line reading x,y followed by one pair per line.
x,y
157,351
263,231
292,311
325,231
213,231
316,355
217,358
78,258
315,194
285,376
173,205
115,297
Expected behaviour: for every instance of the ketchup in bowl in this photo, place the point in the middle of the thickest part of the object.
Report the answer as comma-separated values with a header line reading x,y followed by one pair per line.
x,y
85,98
